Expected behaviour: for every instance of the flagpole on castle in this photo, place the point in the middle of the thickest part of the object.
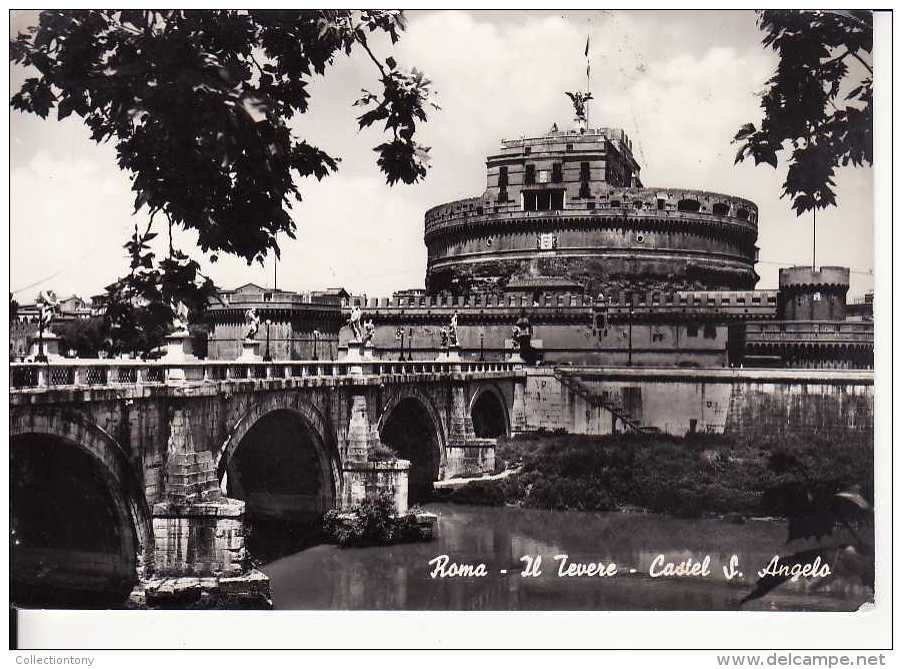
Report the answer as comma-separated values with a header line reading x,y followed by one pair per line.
x,y
588,83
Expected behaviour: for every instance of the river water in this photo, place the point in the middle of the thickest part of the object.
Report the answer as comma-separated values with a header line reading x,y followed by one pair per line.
x,y
398,577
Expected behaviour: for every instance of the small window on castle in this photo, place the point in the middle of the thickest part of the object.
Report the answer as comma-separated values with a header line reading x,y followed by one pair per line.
x,y
544,176
267,297
502,176
529,177
710,332
569,148
660,203
692,331
584,172
527,150
590,205
556,173
720,209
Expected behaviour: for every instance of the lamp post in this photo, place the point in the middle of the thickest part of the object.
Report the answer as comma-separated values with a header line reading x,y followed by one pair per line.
x,y
267,357
315,339
40,357
410,344
629,360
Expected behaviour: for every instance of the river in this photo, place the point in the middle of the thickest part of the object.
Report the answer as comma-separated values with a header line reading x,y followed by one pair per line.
x,y
398,577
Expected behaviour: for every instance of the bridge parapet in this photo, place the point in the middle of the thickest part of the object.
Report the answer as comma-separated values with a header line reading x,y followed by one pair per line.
x,y
95,374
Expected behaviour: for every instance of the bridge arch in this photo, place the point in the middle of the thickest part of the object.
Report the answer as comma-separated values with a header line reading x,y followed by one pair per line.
x,y
406,417
282,459
80,517
489,412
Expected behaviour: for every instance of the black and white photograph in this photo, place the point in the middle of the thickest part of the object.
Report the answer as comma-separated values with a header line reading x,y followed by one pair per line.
x,y
448,310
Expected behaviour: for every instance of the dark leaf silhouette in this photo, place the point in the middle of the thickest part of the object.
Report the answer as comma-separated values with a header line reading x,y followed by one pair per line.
x,y
198,105
805,117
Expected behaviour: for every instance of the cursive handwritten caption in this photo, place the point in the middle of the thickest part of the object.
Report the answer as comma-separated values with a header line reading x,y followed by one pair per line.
x,y
561,566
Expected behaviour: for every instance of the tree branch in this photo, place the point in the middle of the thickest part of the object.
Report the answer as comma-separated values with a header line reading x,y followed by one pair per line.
x,y
861,60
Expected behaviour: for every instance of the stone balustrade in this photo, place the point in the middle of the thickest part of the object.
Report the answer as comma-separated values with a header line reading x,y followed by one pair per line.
x,y
101,372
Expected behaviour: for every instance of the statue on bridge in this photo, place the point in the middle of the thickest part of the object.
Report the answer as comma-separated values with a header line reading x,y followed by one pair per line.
x,y
522,336
47,305
452,330
179,317
369,331
354,321
252,321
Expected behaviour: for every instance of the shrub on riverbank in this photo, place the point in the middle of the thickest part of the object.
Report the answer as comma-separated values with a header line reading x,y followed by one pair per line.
x,y
372,523
680,476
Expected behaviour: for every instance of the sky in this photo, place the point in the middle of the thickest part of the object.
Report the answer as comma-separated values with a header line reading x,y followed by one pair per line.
x,y
679,83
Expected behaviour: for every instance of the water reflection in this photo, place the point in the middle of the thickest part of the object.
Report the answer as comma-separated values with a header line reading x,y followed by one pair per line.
x,y
397,577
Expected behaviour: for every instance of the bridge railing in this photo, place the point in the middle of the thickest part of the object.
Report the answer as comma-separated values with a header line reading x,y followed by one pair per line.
x,y
95,373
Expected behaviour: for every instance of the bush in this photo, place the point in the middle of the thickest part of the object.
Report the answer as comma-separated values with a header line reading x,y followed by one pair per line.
x,y
688,476
373,523
484,493
382,452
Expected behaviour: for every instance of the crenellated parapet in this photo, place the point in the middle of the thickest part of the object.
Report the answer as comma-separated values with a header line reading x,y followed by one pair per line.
x,y
481,308
640,206
809,293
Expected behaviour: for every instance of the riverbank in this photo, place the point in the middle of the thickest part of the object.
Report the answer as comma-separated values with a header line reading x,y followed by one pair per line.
x,y
682,476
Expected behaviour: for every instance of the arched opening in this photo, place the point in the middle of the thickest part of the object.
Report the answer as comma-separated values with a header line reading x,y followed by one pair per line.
x,y
282,470
73,541
411,433
688,205
720,209
489,416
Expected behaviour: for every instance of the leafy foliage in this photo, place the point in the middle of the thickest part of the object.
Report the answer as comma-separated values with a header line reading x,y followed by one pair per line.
x,y
817,505
372,523
198,104
818,104
86,336
142,305
681,476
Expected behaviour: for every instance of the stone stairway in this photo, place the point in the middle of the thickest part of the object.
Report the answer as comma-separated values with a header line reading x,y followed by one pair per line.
x,y
576,385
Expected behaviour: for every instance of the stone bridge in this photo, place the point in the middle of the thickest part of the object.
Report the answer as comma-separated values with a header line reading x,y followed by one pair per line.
x,y
125,472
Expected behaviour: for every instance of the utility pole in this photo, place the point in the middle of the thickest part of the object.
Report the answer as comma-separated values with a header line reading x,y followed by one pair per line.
x,y
813,238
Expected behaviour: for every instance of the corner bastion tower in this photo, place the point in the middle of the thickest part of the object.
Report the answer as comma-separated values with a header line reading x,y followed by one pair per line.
x,y
567,211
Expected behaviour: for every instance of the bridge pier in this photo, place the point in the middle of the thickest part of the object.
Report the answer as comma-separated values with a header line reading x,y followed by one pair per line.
x,y
364,475
198,533
466,455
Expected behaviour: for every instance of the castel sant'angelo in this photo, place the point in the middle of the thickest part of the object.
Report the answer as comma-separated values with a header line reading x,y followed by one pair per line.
x,y
606,271
568,210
